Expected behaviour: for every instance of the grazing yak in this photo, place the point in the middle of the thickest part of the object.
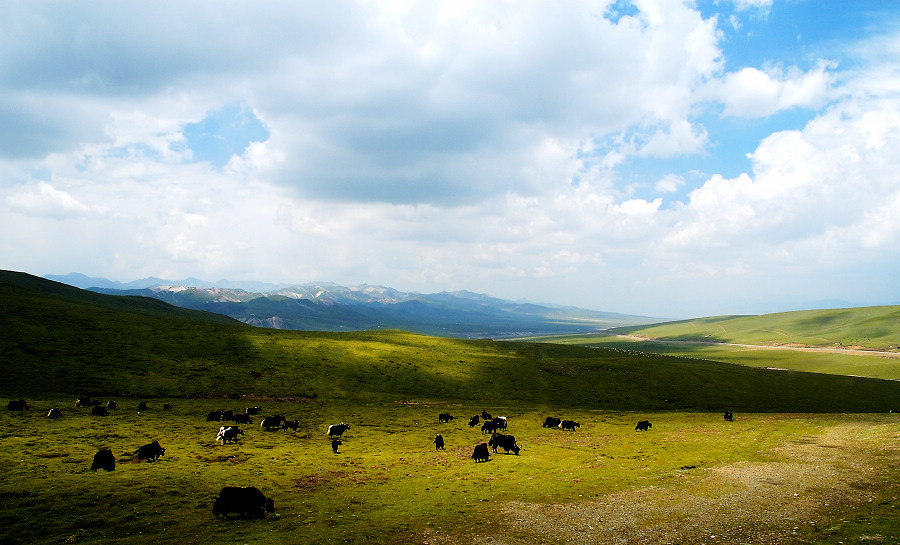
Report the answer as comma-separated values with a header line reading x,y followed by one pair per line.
x,y
443,418
481,454
99,410
54,413
111,404
293,424
506,442
167,407
142,406
104,459
17,405
643,425
337,429
473,421
242,419
569,425
489,426
85,402
228,434
486,415
253,411
247,501
214,416
438,442
335,443
151,452
552,422
728,416
270,423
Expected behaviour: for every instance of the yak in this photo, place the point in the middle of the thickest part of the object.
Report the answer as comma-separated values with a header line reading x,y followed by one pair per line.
x,y
506,442
228,434
552,422
17,405
337,429
150,452
247,501
643,425
104,459
242,419
270,423
481,454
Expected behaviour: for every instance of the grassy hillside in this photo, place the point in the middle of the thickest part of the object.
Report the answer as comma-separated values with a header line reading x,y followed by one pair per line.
x,y
61,340
855,341
876,328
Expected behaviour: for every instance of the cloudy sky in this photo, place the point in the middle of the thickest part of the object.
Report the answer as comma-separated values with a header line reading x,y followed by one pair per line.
x,y
671,158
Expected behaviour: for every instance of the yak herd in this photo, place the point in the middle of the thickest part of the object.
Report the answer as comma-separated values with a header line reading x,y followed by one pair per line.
x,y
249,501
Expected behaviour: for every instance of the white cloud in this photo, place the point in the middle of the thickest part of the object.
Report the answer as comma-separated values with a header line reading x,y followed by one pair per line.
x,y
681,138
751,92
669,183
743,5
44,200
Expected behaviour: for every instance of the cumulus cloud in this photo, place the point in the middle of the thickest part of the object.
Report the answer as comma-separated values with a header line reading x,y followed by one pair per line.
x,y
44,200
752,92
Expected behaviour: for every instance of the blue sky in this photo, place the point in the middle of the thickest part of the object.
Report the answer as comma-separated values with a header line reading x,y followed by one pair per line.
x,y
661,157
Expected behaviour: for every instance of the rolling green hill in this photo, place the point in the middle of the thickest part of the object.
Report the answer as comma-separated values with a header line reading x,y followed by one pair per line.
x,y
876,328
62,340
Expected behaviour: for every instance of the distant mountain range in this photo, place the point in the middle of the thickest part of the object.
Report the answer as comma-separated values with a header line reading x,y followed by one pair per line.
x,y
331,307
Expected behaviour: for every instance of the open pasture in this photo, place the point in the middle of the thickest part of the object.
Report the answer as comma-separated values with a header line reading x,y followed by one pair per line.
x,y
761,478
870,364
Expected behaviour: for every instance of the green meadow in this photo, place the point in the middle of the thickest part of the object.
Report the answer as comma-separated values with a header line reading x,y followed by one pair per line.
x,y
857,342
876,328
387,483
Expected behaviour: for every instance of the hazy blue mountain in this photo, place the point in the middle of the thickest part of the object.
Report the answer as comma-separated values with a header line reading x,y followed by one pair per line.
x,y
325,306
86,282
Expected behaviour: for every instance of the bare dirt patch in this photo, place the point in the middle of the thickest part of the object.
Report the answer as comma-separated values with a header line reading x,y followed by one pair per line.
x,y
748,502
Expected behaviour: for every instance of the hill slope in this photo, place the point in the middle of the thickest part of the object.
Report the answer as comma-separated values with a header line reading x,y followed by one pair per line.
x,y
61,340
876,328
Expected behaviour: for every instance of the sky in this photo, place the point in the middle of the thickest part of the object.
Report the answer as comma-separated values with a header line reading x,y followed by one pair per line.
x,y
669,158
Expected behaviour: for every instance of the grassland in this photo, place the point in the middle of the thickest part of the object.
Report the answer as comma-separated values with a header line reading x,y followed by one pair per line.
x,y
874,328
857,342
388,484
